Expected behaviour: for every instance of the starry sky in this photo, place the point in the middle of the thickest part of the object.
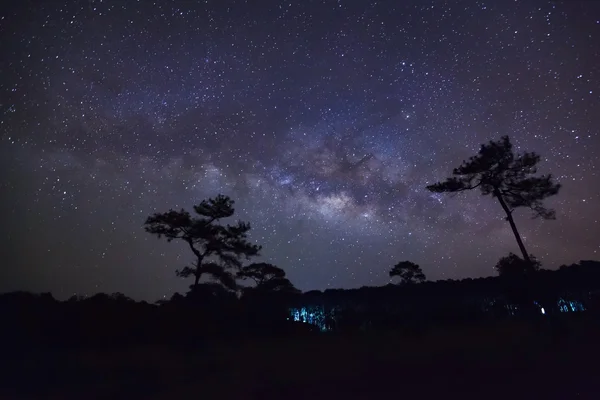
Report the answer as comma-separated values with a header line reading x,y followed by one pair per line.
x,y
324,120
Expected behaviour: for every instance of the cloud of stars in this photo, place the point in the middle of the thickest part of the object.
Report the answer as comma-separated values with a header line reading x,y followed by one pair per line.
x,y
323,120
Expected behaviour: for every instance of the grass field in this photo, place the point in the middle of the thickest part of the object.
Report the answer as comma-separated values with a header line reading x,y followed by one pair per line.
x,y
545,359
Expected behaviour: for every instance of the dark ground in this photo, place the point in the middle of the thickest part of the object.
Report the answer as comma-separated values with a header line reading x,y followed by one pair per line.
x,y
544,359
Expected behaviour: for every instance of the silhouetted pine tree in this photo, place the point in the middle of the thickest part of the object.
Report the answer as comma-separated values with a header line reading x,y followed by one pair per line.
x,y
497,171
217,247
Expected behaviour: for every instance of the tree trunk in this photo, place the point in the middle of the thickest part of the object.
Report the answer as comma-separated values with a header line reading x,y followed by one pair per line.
x,y
513,226
200,257
198,273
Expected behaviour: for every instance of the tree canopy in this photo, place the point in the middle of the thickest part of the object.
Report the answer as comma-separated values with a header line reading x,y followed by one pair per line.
x,y
408,272
267,277
514,266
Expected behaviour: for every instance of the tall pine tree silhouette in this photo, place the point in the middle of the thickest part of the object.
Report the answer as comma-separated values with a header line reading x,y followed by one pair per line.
x,y
498,172
217,247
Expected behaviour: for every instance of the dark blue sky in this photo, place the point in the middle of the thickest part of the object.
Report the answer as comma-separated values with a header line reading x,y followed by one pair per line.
x,y
324,120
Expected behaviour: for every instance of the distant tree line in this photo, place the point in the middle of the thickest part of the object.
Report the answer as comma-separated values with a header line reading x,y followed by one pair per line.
x,y
212,311
541,294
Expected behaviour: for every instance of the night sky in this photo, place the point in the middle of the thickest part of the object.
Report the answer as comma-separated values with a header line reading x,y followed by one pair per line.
x,y
323,120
